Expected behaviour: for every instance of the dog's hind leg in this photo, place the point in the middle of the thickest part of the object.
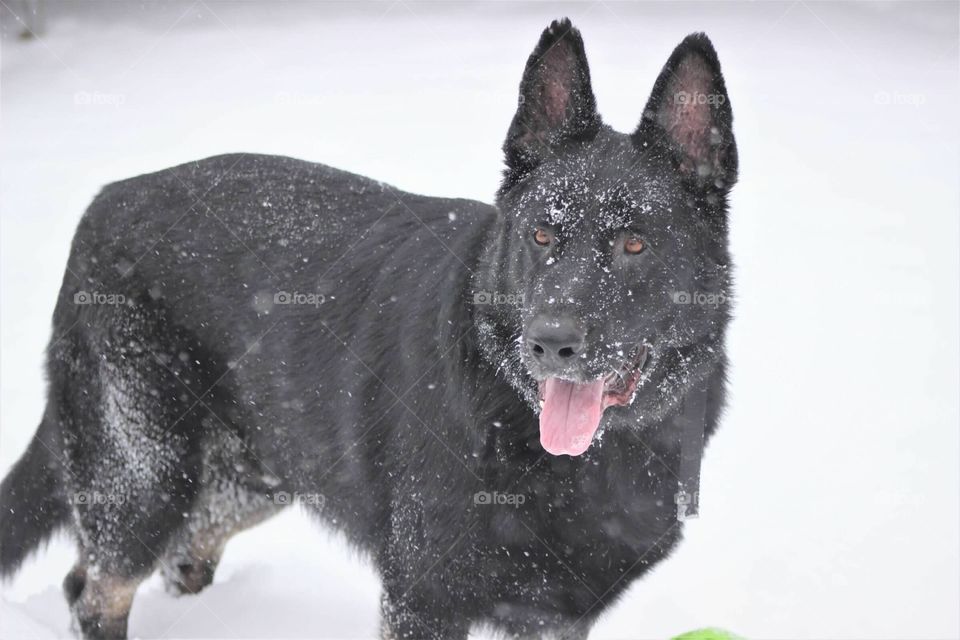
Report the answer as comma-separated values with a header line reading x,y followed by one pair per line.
x,y
190,561
132,456
235,495
99,601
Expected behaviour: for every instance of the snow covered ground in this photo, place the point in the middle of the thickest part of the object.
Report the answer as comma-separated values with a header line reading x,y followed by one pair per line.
x,y
830,495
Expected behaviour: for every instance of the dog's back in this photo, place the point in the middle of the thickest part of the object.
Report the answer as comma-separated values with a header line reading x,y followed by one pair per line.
x,y
202,323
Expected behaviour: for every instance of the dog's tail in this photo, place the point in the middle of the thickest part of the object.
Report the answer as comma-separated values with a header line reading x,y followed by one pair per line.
x,y
32,503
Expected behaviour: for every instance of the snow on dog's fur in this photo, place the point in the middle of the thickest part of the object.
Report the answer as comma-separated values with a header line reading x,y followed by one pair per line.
x,y
483,398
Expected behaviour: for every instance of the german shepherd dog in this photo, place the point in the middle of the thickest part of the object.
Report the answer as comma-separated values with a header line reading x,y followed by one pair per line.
x,y
484,399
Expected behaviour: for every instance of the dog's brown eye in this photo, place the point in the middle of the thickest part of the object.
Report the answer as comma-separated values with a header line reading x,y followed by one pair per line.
x,y
634,245
542,237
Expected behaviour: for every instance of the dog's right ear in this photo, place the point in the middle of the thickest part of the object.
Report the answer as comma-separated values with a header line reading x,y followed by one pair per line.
x,y
556,100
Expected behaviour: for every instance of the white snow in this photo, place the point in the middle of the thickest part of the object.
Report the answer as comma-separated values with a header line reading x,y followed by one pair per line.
x,y
830,494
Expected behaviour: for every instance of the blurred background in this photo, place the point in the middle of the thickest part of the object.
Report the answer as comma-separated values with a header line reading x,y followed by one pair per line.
x,y
830,495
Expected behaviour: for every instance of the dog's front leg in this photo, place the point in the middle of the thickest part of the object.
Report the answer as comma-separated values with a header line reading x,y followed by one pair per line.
x,y
409,616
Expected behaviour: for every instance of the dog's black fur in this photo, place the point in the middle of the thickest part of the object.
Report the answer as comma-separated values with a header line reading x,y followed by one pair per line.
x,y
393,402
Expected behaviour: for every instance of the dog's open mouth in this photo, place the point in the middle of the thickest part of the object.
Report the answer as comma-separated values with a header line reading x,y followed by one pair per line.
x,y
570,411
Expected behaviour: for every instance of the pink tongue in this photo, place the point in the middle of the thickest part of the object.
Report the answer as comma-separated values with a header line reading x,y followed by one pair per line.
x,y
570,415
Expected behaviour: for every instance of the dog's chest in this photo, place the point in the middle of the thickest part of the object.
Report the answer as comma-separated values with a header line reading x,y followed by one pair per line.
x,y
581,510
570,539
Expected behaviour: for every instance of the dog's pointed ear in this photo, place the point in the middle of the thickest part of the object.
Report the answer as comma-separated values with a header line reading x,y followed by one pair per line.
x,y
689,112
556,100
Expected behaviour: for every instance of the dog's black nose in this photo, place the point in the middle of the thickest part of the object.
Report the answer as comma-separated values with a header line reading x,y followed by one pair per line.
x,y
553,341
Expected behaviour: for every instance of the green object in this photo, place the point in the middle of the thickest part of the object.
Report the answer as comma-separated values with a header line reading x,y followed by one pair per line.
x,y
708,634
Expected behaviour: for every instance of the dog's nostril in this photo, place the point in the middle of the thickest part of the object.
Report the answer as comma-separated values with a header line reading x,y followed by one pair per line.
x,y
552,341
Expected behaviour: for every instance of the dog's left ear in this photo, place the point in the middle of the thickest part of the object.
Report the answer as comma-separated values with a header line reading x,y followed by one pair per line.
x,y
689,112
556,99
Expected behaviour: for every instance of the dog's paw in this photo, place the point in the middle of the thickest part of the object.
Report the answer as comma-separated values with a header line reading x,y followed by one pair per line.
x,y
186,577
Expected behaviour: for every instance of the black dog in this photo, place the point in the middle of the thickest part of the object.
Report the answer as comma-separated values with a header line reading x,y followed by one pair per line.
x,y
243,332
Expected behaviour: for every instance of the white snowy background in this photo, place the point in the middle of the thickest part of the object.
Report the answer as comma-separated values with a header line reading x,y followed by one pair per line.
x,y
830,494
